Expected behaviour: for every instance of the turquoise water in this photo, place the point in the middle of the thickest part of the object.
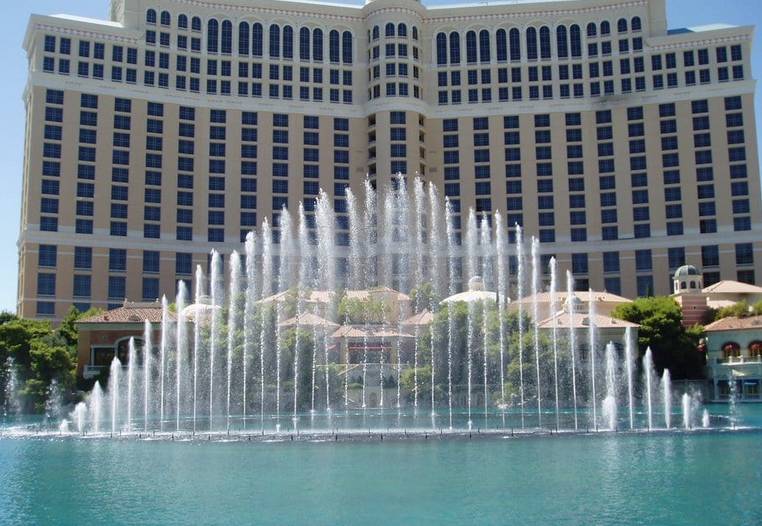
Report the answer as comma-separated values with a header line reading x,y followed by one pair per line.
x,y
675,478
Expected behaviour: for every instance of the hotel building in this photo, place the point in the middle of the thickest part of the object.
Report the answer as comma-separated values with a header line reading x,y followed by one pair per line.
x,y
177,126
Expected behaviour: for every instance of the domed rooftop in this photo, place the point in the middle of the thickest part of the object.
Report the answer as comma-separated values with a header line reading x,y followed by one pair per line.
x,y
475,293
686,270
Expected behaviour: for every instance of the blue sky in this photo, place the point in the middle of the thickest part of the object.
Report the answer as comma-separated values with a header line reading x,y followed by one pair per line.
x,y
680,13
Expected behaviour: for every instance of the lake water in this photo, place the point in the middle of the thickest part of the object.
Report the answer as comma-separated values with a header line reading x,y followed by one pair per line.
x,y
659,478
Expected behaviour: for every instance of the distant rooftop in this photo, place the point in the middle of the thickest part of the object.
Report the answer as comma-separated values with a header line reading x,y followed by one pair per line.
x,y
698,29
733,324
130,312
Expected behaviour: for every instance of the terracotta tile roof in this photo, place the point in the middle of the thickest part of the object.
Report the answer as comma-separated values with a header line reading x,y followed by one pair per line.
x,y
370,331
732,323
307,319
728,286
130,312
422,318
582,296
582,321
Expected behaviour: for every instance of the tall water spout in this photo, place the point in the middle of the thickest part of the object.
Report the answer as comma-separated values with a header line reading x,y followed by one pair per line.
x,y
248,320
197,339
630,359
147,373
132,359
648,366
686,402
96,407
705,419
593,354
216,293
450,314
666,387
536,322
113,387
570,305
502,287
554,335
264,341
80,416
234,320
163,357
520,294
610,402
180,345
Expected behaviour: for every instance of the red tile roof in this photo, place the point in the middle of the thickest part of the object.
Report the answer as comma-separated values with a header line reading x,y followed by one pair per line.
x,y
130,312
732,323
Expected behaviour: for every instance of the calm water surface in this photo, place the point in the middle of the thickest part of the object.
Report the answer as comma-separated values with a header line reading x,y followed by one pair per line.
x,y
625,479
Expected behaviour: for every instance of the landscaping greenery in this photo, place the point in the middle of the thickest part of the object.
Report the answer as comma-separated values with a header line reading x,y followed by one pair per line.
x,y
40,354
661,329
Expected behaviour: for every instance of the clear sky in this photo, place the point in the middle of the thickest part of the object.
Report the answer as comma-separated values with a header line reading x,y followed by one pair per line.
x,y
680,13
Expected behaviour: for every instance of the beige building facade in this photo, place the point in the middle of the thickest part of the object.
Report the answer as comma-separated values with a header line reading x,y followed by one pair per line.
x,y
176,127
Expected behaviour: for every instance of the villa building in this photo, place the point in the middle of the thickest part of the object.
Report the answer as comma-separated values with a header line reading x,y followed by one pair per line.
x,y
734,355
107,335
176,127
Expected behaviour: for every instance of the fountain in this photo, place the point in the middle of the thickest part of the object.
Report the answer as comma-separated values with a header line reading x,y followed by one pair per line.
x,y
649,373
609,408
242,350
666,389
687,410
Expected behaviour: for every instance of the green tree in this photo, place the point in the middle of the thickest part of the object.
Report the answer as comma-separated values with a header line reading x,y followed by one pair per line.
x,y
661,329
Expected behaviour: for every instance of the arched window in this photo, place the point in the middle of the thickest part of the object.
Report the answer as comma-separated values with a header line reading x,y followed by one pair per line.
x,y
592,29
441,49
182,22
544,42
635,24
561,42
389,30
304,44
755,349
375,32
346,47
484,45
227,37
471,47
514,36
166,18
274,41
576,41
531,43
288,42
333,46
256,39
605,27
415,33
196,23
731,349
150,16
501,40
243,38
454,48
401,30
317,45
621,25
212,36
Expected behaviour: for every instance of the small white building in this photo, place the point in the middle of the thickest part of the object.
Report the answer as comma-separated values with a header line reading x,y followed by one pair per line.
x,y
734,356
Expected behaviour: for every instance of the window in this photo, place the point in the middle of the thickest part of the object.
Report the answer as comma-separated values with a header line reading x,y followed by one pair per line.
x,y
46,284
710,256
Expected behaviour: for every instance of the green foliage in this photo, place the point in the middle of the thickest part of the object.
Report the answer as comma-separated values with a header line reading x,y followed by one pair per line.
x,y
673,346
364,310
738,310
41,354
423,296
